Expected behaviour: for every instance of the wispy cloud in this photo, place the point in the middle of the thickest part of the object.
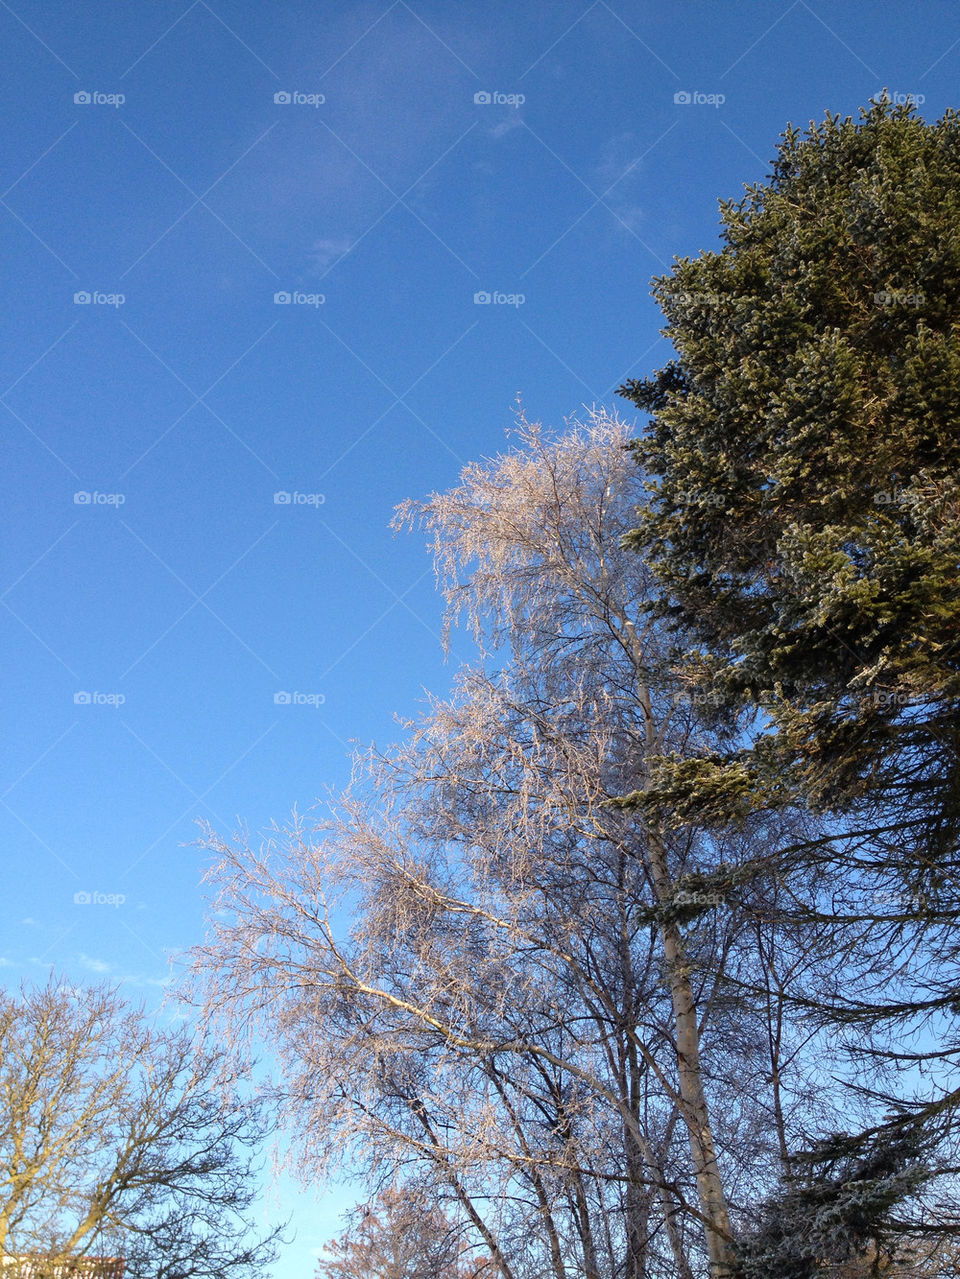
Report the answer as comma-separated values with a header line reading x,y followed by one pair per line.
x,y
158,982
507,125
616,176
325,252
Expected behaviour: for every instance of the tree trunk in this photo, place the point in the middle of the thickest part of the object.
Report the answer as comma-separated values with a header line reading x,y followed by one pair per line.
x,y
696,1113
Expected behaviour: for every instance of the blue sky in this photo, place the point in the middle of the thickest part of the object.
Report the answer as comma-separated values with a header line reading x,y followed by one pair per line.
x,y
183,395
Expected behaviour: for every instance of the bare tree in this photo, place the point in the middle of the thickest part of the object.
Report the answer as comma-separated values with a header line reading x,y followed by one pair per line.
x,y
119,1138
481,965
401,1234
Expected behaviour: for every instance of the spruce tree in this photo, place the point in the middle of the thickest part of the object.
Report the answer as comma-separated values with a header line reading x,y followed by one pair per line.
x,y
803,462
805,449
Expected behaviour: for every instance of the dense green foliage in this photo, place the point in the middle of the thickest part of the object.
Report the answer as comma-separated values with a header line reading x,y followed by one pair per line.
x,y
806,447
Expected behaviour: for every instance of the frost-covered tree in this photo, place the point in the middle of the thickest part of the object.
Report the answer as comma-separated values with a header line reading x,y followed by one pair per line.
x,y
399,1235
483,969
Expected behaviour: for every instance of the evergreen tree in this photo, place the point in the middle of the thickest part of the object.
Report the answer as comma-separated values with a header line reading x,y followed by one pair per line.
x,y
805,515
834,1209
803,463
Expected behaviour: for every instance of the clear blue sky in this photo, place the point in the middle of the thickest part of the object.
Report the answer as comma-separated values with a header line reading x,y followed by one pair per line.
x,y
198,598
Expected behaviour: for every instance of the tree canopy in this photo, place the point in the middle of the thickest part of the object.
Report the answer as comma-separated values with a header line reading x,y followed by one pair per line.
x,y
804,455
637,955
117,1138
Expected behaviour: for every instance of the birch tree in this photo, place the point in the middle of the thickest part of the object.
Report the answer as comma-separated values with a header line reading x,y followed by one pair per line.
x,y
399,1235
481,967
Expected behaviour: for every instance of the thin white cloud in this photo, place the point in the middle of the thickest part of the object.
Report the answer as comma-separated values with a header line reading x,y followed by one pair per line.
x,y
506,125
616,176
324,253
159,982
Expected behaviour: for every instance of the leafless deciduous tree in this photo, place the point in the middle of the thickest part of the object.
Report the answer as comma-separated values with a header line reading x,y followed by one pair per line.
x,y
481,969
401,1234
116,1138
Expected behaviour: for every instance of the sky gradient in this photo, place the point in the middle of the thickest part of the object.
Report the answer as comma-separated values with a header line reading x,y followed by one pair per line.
x,y
270,269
